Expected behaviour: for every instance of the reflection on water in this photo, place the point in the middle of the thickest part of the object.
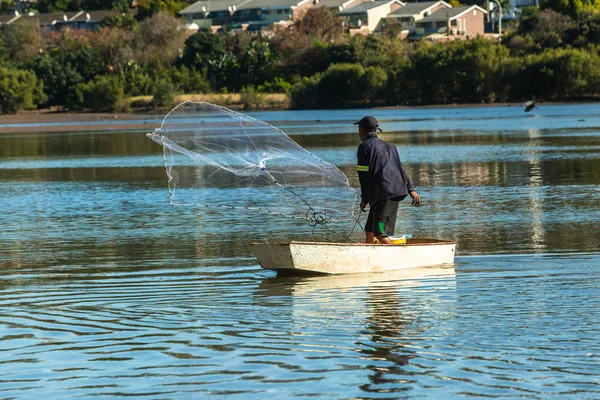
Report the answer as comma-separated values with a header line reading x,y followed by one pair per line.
x,y
106,290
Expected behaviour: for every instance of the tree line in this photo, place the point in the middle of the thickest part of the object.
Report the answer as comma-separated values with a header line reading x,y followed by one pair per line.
x,y
551,56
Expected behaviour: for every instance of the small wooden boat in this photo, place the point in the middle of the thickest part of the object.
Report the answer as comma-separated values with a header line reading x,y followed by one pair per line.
x,y
345,258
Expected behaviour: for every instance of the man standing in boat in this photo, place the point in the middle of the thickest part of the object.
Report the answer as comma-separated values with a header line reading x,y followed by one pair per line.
x,y
383,182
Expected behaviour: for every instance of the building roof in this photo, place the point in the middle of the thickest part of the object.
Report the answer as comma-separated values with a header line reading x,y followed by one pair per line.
x,y
448,14
9,18
266,4
53,18
95,16
212,6
333,3
411,9
366,6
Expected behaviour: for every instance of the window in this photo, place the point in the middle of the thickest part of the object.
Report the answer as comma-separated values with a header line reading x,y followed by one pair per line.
x,y
453,22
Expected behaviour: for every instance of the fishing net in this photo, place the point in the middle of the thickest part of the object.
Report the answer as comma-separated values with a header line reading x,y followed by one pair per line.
x,y
218,158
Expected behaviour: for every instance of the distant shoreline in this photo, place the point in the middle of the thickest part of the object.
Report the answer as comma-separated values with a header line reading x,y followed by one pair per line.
x,y
52,120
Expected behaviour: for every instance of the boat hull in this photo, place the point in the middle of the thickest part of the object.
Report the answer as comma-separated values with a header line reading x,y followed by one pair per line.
x,y
345,258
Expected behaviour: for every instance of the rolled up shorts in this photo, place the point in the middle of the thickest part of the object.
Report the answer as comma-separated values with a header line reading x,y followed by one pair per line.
x,y
382,217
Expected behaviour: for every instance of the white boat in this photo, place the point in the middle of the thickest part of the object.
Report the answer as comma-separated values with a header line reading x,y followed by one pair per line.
x,y
346,258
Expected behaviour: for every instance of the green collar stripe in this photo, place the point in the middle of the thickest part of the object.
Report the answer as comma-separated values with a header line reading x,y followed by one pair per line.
x,y
363,168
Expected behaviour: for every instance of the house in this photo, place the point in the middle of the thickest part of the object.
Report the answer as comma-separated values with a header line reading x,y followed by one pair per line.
x,y
405,18
337,5
364,17
518,4
207,15
263,13
88,20
452,23
244,14
53,21
91,20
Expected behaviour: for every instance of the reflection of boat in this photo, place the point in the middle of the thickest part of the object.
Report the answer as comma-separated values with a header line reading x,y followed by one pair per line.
x,y
344,258
398,278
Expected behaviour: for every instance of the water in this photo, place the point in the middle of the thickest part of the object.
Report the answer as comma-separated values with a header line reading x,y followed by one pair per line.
x,y
107,291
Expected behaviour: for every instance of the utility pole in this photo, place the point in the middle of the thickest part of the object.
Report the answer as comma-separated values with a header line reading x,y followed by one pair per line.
x,y
499,15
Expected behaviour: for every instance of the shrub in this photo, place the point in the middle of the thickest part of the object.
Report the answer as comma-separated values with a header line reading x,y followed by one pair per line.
x,y
19,90
371,83
103,93
136,81
340,84
305,94
163,94
278,85
558,75
188,80
251,99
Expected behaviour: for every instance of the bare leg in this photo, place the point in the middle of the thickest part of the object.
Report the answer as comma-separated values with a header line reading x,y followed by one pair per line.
x,y
370,237
384,240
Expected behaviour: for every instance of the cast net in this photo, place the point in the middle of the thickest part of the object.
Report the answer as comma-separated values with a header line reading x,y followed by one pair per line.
x,y
219,158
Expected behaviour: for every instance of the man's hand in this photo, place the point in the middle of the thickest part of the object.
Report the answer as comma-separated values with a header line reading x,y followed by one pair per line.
x,y
416,198
362,206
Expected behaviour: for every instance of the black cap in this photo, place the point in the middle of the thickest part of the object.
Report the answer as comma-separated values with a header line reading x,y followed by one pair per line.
x,y
368,122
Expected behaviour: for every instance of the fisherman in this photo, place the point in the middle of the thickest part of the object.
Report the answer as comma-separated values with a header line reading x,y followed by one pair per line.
x,y
383,182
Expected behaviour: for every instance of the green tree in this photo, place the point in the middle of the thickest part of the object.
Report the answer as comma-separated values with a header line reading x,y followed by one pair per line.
x,y
340,84
7,6
206,52
60,78
137,81
103,93
147,8
122,5
547,28
55,6
571,7
557,74
124,20
457,72
19,90
255,61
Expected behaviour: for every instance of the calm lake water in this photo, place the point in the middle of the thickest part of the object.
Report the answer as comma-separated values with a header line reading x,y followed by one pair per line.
x,y
108,291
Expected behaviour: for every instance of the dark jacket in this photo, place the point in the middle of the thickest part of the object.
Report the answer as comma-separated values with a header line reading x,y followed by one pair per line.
x,y
380,171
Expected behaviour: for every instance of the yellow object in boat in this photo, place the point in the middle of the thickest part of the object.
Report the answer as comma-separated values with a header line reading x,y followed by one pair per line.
x,y
398,239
